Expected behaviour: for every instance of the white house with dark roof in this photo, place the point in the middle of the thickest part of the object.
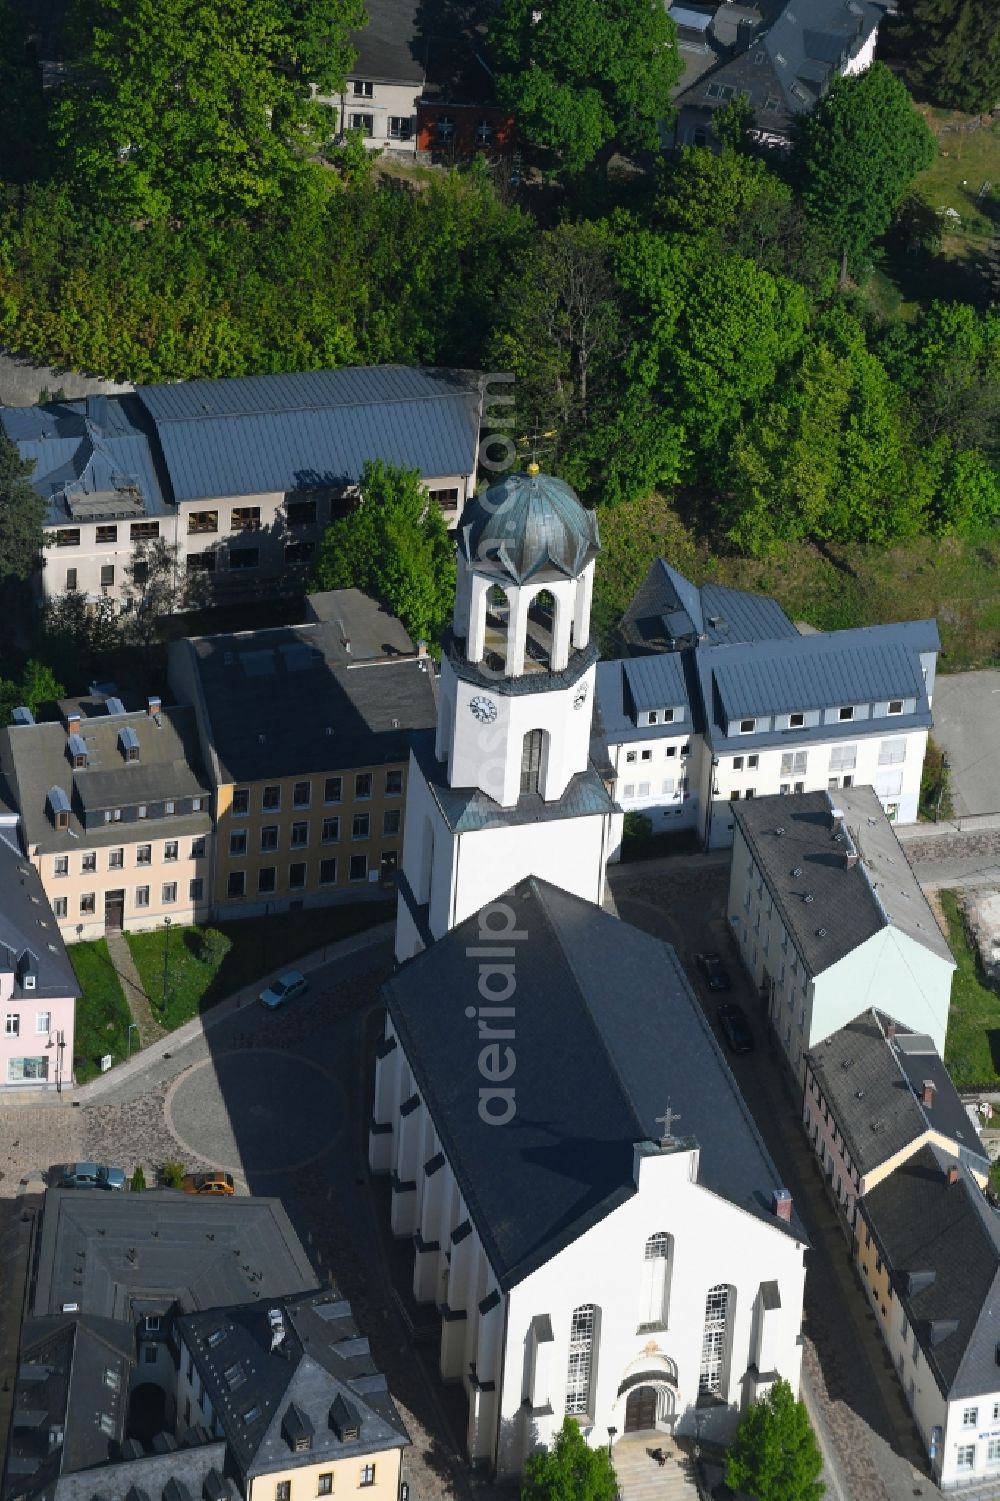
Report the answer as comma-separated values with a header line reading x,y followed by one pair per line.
x,y
242,475
830,920
928,1253
592,1211
38,988
769,710
874,1094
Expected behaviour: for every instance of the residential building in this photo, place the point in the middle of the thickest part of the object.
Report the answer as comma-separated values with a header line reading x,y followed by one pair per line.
x,y
38,988
507,788
114,812
761,708
928,1252
875,1093
305,734
829,918
591,1208
176,1348
782,57
240,475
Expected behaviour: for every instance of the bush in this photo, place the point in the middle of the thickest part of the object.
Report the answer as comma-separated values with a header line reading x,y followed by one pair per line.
x,y
213,946
935,784
570,1468
172,1173
638,827
138,1182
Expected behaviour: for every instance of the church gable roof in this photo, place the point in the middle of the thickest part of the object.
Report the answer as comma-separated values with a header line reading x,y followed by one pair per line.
x,y
607,1032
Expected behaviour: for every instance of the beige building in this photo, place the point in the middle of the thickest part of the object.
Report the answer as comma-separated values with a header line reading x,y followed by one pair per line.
x,y
304,731
114,813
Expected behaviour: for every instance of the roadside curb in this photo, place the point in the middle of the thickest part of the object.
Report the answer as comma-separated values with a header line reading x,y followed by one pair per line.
x,y
139,1063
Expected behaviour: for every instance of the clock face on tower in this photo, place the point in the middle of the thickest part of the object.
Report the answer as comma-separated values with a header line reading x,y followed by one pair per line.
x,y
580,696
483,708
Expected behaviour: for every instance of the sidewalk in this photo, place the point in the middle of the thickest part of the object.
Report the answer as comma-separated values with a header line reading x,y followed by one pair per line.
x,y
170,1042
136,998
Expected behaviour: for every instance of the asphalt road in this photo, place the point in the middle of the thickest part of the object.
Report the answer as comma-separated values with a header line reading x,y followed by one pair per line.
x,y
967,726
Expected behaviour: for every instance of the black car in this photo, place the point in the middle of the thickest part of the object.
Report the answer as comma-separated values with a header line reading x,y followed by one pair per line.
x,y
715,972
735,1028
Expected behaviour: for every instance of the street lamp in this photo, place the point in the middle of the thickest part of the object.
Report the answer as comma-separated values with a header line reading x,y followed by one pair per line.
x,y
132,1027
166,959
611,1440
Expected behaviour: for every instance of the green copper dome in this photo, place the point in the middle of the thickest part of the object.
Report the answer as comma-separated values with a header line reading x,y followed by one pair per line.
x,y
526,525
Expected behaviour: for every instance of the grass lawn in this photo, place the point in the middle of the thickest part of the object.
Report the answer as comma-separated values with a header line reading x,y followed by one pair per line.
x,y
256,948
972,1047
968,157
951,578
102,1014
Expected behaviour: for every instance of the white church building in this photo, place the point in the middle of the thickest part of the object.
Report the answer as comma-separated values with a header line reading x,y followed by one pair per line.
x,y
591,1208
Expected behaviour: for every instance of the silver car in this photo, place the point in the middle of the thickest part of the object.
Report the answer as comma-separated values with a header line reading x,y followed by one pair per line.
x,y
92,1175
282,990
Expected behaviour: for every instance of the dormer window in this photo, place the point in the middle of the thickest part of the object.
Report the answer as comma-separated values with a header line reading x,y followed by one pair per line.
x,y
796,721
846,712
747,726
895,706
28,981
654,717
128,740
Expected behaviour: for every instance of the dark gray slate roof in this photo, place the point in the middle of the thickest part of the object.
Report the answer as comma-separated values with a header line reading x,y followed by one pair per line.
x,y
255,434
285,701
366,630
669,610
662,680
183,1251
151,1475
391,48
528,526
807,857
321,1360
608,1032
873,1086
27,928
923,1223
466,809
34,759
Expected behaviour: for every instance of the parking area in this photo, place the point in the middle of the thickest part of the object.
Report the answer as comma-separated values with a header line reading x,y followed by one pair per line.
x,y
967,726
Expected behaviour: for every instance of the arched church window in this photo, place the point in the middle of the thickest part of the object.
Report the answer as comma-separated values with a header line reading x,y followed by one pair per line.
x,y
541,628
581,1359
713,1344
532,749
655,1287
497,622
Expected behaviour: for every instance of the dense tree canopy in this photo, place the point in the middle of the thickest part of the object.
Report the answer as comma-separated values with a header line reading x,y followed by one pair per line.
x,y
394,543
774,1456
570,1470
949,49
856,154
21,515
585,75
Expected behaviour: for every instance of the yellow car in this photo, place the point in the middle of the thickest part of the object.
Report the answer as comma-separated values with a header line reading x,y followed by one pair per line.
x,y
208,1183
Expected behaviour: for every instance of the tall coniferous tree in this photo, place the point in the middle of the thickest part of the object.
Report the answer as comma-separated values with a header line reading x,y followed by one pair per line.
x,y
950,50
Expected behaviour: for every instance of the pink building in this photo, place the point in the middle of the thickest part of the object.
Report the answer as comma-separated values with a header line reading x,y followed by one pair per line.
x,y
38,988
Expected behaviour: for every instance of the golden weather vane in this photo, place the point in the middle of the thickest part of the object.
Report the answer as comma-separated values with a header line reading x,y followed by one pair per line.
x,y
536,442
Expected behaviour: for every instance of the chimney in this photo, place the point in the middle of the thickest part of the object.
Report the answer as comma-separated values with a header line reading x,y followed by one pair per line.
x,y
72,721
927,1094
421,648
153,705
836,820
781,1203
347,645
953,1174
850,860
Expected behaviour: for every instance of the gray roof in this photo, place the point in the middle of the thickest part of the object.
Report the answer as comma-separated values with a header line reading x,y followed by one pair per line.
x,y
367,630
669,610
614,1006
390,48
467,809
150,1476
527,527
616,699
34,759
800,853
291,701
873,1084
924,1224
183,1251
255,434
321,1360
29,935
252,435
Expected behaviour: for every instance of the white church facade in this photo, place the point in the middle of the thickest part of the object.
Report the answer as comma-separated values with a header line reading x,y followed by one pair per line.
x,y
592,1211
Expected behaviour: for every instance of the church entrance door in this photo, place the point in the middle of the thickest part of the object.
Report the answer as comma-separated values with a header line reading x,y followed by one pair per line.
x,y
640,1409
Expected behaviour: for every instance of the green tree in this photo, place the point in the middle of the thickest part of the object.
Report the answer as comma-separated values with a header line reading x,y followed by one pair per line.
x,y
22,512
213,946
855,155
137,1182
394,543
570,1470
37,689
584,76
949,50
774,1456
172,1174
155,586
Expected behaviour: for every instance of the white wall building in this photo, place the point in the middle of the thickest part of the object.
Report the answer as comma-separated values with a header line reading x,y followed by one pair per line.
x,y
240,475
506,788
830,919
587,1256
756,708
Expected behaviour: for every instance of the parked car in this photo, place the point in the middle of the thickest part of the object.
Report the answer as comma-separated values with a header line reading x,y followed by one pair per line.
x,y
208,1183
735,1028
715,972
282,990
92,1175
